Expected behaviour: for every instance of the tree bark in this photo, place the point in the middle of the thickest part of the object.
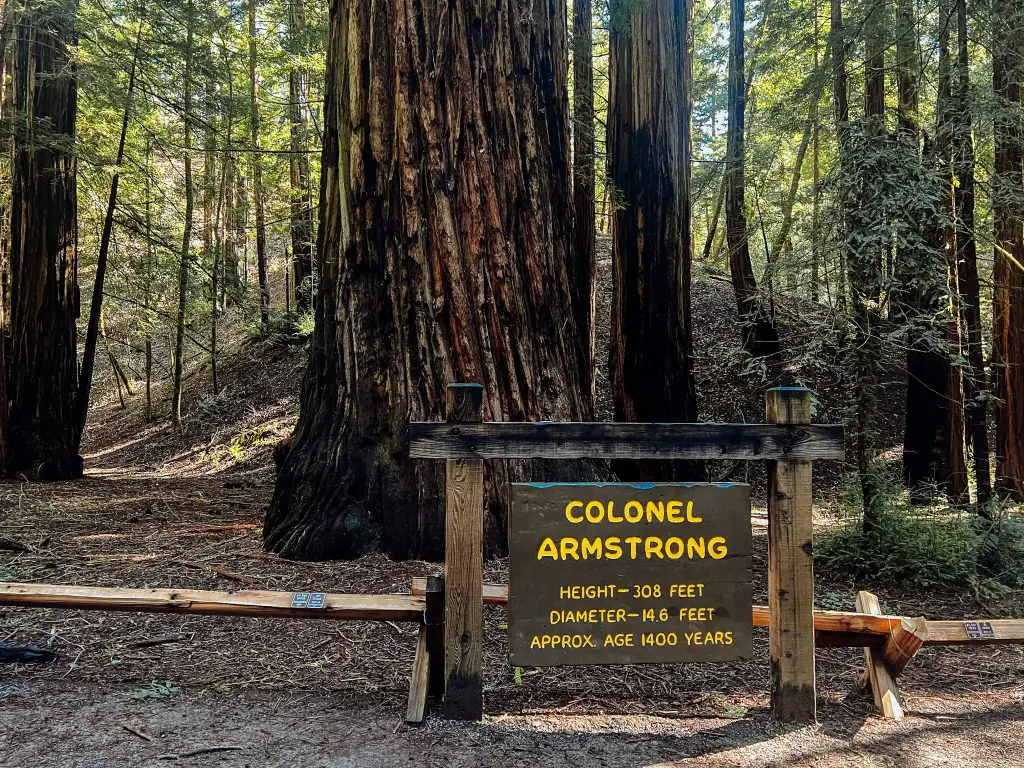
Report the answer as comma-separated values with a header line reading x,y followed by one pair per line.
x,y
299,165
257,173
582,264
1008,274
41,374
186,240
649,165
759,335
445,233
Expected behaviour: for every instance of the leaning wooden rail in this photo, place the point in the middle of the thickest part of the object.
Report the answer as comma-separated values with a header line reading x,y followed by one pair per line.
x,y
572,440
213,603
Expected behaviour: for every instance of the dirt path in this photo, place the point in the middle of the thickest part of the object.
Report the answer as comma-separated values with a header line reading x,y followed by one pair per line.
x,y
74,725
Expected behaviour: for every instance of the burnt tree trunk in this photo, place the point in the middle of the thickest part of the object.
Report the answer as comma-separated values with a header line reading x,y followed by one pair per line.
x,y
649,164
1008,276
759,335
444,242
582,265
299,166
41,375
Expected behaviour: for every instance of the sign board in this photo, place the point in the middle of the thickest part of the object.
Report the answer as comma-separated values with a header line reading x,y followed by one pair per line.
x,y
979,630
614,573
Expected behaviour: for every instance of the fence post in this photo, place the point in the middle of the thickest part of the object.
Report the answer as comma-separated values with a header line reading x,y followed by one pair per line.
x,y
463,566
790,568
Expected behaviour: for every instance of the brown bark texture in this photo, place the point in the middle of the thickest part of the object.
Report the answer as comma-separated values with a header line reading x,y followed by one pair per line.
x,y
582,267
1008,273
41,373
649,163
444,241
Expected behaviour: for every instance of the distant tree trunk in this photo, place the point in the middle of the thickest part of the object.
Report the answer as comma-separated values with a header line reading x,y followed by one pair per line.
x,y
968,284
841,109
816,171
649,165
186,240
933,443
444,242
716,214
96,308
41,374
299,165
582,264
1008,274
147,290
257,173
234,232
759,335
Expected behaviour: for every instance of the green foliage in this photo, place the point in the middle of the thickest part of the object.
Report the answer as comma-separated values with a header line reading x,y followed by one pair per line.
x,y
155,690
933,546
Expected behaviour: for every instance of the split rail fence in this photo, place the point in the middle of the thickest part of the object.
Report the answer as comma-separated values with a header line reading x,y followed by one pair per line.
x,y
449,609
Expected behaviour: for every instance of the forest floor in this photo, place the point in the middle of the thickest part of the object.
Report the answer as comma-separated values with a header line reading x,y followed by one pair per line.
x,y
183,508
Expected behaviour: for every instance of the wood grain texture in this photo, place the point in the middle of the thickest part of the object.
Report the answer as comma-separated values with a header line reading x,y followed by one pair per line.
x,y
464,567
905,640
255,603
1006,631
617,440
883,685
433,616
790,569
416,711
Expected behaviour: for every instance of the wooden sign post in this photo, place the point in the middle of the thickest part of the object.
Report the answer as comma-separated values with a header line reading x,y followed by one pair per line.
x,y
613,573
790,568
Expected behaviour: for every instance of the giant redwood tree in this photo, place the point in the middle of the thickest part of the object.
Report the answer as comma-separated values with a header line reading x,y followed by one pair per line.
x,y
1008,272
41,373
649,166
443,249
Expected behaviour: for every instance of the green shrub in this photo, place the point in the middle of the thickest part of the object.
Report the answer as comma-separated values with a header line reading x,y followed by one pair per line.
x,y
922,545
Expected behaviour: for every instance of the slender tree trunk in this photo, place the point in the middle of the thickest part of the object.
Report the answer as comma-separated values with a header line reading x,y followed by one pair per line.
x,y
649,164
759,335
582,265
186,240
968,283
816,171
1008,273
257,173
299,165
444,241
716,214
41,375
148,271
96,309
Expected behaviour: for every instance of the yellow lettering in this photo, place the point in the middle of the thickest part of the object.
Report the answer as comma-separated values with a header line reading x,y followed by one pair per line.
x,y
570,548
633,541
675,512
717,548
652,548
634,512
690,517
568,511
674,548
612,548
655,510
595,512
591,547
695,546
612,517
547,549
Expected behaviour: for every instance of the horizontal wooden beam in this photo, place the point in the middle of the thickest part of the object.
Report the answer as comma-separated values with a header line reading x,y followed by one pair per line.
x,y
607,440
833,628
995,631
213,603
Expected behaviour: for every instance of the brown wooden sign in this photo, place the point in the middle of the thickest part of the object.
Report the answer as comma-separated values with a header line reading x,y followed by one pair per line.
x,y
614,573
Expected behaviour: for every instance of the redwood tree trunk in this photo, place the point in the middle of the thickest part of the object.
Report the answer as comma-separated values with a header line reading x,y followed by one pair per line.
x,y
1008,215
443,249
42,369
649,165
759,335
257,173
582,265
